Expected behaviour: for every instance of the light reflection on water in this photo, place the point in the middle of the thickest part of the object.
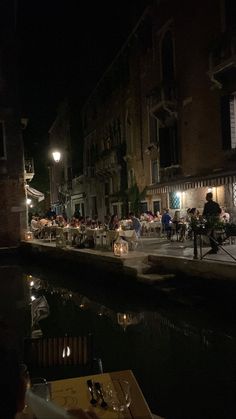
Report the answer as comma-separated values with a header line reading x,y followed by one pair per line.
x,y
184,359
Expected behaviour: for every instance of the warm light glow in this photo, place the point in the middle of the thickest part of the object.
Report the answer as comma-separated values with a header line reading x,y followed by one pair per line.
x,y
66,352
178,194
28,235
56,156
28,201
209,190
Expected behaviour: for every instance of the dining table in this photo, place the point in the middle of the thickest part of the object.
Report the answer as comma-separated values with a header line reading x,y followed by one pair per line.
x,y
72,393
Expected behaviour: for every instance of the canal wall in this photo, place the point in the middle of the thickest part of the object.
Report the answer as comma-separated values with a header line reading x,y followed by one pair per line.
x,y
146,268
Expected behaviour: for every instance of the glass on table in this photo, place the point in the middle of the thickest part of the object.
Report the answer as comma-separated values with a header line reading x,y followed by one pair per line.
x,y
118,396
41,388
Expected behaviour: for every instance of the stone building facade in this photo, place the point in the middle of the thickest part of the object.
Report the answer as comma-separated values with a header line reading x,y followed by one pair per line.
x,y
12,174
159,127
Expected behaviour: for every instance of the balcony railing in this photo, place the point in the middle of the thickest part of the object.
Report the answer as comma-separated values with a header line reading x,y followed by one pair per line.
x,y
164,93
107,164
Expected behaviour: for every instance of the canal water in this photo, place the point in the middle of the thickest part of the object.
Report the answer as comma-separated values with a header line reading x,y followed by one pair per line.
x,y
182,350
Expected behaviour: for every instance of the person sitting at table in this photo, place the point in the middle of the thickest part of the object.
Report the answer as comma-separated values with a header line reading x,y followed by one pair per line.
x,y
61,222
35,226
114,222
136,225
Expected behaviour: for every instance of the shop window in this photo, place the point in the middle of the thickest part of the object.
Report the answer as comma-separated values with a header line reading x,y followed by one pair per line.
x,y
174,200
234,194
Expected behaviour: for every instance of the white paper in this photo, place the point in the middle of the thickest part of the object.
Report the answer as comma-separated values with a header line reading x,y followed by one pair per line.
x,y
43,409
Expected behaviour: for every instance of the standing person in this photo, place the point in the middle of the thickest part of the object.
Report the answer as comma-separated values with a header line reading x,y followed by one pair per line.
x,y
212,213
136,225
166,223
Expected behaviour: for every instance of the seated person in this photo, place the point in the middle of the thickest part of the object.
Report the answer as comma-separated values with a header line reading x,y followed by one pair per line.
x,y
114,222
35,226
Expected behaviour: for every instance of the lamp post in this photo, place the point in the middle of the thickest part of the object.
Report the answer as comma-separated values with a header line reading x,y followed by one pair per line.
x,y
56,156
55,177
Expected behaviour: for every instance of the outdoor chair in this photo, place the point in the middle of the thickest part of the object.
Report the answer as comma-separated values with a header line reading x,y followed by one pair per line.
x,y
60,357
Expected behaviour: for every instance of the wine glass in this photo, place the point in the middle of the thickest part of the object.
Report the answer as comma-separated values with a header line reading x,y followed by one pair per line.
x,y
41,388
118,395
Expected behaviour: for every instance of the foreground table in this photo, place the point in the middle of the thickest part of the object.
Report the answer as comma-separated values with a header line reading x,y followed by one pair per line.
x,y
73,392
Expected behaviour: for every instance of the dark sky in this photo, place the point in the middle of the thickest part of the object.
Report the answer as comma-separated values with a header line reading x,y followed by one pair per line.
x,y
65,45
68,41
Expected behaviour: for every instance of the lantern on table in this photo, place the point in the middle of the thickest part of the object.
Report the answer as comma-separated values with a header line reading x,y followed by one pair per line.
x,y
29,236
121,247
60,239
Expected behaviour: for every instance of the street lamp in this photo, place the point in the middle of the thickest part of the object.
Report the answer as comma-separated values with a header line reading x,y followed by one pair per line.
x,y
56,156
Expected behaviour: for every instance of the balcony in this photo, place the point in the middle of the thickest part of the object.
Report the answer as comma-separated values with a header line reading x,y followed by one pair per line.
x,y
107,165
222,58
162,100
29,169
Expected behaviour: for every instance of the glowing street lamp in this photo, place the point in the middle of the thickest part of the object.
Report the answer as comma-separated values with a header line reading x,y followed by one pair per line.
x,y
56,156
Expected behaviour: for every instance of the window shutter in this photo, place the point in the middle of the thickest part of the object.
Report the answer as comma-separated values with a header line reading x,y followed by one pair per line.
x,y
225,122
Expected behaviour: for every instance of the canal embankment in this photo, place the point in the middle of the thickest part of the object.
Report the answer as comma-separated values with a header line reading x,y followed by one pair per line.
x,y
149,265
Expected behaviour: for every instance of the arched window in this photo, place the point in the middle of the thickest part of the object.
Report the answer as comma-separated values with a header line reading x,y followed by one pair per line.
x,y
167,56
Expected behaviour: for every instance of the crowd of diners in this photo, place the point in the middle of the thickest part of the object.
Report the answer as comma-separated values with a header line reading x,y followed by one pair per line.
x,y
166,224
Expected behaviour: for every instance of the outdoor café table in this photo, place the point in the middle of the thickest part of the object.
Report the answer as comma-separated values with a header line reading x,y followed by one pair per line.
x,y
73,392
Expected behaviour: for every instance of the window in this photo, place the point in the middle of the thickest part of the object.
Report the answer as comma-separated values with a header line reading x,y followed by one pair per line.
x,y
106,188
131,178
167,56
228,121
174,200
143,207
169,154
156,206
2,141
94,206
153,129
230,12
155,172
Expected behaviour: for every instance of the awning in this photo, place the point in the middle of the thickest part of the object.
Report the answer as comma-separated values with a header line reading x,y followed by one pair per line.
x,y
33,193
193,183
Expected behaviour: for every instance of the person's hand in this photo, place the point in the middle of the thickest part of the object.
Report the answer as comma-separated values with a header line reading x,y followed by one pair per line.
x,y
82,414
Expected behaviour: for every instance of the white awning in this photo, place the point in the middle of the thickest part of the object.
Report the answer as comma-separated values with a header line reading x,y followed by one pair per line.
x,y
193,183
33,193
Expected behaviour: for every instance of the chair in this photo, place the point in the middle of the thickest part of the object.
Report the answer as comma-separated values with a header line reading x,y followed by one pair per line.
x,y
60,357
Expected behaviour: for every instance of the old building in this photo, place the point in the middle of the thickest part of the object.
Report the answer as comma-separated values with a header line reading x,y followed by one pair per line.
x,y
12,172
60,171
159,127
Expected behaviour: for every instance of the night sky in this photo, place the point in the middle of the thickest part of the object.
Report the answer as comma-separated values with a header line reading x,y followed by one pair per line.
x,y
65,45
